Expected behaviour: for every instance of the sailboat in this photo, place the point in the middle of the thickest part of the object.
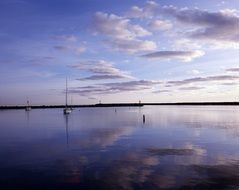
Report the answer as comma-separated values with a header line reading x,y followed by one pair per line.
x,y
71,104
28,107
67,110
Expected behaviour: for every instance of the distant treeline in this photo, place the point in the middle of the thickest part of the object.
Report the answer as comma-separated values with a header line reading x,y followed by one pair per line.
x,y
124,105
74,106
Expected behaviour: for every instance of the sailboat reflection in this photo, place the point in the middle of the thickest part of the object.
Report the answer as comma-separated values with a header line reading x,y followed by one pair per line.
x,y
27,114
67,132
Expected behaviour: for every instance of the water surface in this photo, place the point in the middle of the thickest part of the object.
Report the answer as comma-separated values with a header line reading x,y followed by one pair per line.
x,y
178,147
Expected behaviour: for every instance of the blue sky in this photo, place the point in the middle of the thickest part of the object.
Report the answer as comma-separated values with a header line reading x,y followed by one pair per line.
x,y
114,51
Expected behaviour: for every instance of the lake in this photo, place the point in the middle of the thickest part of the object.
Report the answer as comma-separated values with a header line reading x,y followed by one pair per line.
x,y
177,147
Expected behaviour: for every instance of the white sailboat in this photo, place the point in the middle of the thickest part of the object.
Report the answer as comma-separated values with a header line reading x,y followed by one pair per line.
x,y
67,110
28,107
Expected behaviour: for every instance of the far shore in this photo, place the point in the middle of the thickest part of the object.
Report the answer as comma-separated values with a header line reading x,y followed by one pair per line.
x,y
5,107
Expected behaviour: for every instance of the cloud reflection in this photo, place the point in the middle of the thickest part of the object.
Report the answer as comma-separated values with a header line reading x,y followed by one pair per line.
x,y
102,137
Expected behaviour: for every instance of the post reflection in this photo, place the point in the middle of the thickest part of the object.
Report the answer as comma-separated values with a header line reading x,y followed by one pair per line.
x,y
66,117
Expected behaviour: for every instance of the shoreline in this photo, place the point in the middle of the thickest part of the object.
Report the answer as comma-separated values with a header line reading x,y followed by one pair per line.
x,y
125,105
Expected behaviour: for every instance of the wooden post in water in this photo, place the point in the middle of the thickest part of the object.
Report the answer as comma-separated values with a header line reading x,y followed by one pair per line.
x,y
143,118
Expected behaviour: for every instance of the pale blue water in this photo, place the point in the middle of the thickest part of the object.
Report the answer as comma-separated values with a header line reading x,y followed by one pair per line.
x,y
178,147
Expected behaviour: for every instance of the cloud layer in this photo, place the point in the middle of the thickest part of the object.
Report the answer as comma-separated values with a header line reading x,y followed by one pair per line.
x,y
117,87
101,69
121,34
233,70
185,56
218,78
217,26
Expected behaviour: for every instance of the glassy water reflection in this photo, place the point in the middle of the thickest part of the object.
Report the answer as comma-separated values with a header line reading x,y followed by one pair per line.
x,y
99,148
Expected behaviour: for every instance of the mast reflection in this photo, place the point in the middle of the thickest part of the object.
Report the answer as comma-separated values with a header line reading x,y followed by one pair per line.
x,y
27,114
67,130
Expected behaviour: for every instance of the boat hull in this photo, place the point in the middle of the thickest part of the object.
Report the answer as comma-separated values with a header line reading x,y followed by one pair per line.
x,y
28,109
67,111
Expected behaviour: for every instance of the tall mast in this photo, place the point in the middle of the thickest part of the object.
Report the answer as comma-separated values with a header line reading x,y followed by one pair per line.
x,y
66,92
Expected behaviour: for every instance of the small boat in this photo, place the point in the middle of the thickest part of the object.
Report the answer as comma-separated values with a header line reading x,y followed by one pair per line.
x,y
28,107
67,110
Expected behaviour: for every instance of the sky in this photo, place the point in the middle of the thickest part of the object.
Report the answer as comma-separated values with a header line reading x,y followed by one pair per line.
x,y
118,51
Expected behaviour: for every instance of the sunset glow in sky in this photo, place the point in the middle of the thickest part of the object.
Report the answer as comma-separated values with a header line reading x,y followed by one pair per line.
x,y
119,51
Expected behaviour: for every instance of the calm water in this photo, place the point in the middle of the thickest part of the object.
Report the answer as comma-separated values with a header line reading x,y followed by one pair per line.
x,y
97,148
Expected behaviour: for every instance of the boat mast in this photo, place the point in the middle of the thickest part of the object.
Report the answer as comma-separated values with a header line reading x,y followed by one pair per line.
x,y
28,102
66,91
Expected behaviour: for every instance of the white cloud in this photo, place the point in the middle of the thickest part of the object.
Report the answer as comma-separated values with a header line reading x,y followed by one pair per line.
x,y
74,49
233,70
68,38
101,69
118,27
160,25
211,27
195,72
191,88
145,12
135,12
116,87
217,29
179,43
216,78
80,49
133,45
121,34
185,56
